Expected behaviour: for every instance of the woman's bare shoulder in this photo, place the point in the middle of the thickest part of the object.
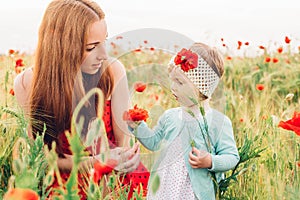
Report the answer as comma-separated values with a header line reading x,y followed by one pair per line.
x,y
22,86
117,67
23,80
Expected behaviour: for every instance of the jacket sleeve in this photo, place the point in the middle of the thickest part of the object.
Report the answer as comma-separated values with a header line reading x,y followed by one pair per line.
x,y
151,138
226,154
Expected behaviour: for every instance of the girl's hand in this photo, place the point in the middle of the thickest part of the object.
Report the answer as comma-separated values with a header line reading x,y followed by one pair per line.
x,y
134,116
200,159
133,124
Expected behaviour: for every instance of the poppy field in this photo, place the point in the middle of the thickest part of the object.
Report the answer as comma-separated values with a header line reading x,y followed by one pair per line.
x,y
260,94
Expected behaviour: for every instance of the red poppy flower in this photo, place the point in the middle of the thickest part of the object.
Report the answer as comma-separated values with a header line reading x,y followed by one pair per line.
x,y
275,60
292,124
11,51
140,86
287,39
103,168
224,45
246,43
137,50
267,59
261,47
19,63
145,41
136,114
152,48
20,193
228,58
280,49
222,39
239,44
186,59
12,92
260,87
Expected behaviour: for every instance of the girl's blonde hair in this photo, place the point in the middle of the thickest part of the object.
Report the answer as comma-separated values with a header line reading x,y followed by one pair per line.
x,y
212,56
57,81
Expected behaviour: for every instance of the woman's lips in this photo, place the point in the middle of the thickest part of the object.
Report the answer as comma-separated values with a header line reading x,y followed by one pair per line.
x,y
98,65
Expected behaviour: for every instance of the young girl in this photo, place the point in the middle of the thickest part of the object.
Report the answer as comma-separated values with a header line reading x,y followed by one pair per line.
x,y
70,60
194,147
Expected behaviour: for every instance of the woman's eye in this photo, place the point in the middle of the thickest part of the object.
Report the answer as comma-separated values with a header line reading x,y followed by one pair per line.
x,y
90,48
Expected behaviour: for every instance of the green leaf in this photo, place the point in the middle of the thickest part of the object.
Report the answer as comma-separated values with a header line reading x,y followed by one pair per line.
x,y
131,142
192,143
155,184
202,111
193,100
191,113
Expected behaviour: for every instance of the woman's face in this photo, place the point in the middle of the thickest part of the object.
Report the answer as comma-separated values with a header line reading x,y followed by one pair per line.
x,y
95,52
182,88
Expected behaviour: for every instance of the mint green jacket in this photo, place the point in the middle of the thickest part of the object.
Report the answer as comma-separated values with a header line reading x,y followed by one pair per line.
x,y
224,151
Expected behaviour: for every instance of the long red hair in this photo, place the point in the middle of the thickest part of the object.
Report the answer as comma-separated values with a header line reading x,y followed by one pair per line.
x,y
57,81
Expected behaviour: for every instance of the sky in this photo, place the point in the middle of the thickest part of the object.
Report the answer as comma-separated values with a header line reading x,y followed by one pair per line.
x,y
259,22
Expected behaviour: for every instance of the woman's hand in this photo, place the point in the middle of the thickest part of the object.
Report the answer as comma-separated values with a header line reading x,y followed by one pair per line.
x,y
200,159
128,159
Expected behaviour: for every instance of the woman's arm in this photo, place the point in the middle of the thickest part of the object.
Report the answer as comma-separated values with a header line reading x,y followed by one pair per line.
x,y
120,103
22,88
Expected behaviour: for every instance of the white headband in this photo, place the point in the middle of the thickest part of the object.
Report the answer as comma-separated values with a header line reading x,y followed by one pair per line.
x,y
203,76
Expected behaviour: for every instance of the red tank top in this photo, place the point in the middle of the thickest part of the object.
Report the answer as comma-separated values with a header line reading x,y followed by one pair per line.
x,y
108,127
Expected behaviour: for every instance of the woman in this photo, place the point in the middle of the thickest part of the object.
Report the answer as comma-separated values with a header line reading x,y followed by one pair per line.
x,y
70,60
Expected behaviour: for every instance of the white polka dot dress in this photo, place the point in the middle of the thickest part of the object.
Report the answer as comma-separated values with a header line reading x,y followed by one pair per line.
x,y
174,179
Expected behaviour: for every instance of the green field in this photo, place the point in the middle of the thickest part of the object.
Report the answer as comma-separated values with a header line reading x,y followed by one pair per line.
x,y
254,93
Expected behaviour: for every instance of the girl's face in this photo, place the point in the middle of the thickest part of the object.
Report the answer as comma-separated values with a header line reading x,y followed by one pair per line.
x,y
182,88
95,53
